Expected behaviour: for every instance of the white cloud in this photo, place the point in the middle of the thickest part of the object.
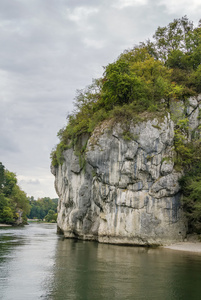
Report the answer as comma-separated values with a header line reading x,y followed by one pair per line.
x,y
27,180
38,186
127,3
92,43
182,6
81,13
48,50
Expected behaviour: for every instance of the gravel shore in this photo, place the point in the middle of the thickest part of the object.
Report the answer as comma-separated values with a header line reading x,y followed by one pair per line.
x,y
186,246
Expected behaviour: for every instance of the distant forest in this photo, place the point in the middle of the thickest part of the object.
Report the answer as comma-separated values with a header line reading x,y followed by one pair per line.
x,y
16,207
43,209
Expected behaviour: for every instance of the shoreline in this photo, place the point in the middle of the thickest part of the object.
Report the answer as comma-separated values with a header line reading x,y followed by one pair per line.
x,y
5,225
188,246
185,246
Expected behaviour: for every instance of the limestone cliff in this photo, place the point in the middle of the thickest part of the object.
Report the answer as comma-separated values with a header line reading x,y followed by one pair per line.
x,y
124,187
128,191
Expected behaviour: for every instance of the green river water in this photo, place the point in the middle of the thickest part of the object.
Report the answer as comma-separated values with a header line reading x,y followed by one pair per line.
x,y
36,263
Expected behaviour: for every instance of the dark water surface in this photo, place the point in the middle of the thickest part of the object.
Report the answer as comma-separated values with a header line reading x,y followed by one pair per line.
x,y
35,263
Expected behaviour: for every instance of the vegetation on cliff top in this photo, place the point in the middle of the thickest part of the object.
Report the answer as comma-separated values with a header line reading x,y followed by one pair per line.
x,y
13,201
146,78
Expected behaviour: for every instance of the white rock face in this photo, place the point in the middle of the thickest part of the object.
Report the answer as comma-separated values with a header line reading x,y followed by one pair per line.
x,y
128,192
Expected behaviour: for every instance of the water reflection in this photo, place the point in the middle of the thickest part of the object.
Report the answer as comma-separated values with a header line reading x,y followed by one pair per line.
x,y
35,263
86,270
27,257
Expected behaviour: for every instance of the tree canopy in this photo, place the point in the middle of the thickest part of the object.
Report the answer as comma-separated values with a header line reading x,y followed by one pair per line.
x,y
43,208
13,201
144,78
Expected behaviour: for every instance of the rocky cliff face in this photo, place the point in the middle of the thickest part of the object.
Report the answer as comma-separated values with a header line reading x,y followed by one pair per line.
x,y
128,191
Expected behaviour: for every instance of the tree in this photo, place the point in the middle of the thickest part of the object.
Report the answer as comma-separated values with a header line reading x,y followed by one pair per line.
x,y
173,37
41,207
51,216
7,215
136,77
191,189
9,183
12,198
20,199
3,204
165,68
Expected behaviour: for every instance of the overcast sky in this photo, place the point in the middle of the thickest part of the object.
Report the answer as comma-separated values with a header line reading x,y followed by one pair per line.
x,y
51,48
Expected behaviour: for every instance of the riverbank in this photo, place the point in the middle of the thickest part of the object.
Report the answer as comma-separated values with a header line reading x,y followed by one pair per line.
x,y
186,246
5,225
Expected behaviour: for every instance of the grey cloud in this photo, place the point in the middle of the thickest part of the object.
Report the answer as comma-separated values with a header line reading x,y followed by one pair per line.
x,y
45,56
7,145
30,181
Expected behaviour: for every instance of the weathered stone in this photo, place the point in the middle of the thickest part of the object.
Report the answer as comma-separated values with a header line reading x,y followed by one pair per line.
x,y
128,192
193,101
193,119
167,167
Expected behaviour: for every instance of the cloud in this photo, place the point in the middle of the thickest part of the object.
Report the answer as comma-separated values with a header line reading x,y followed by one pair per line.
x,y
8,145
181,6
42,185
81,13
51,48
129,3
26,180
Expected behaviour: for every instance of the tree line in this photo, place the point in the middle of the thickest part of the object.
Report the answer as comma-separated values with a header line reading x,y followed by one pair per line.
x,y
43,209
16,207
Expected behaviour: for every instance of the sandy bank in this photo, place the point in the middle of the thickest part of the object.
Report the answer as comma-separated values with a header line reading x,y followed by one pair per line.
x,y
186,246
5,225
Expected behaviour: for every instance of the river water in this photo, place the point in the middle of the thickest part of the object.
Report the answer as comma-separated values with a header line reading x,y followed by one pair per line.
x,y
36,263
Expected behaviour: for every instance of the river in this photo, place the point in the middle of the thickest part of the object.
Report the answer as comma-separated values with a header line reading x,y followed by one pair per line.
x,y
36,263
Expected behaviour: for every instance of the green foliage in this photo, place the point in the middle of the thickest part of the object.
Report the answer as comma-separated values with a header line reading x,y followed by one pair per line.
x,y
142,79
51,216
127,135
12,198
7,215
167,159
187,151
41,207
153,78
175,37
10,182
196,78
188,159
123,113
178,45
191,189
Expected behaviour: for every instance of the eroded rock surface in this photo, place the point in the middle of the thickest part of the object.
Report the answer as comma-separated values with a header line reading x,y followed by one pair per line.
x,y
128,191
